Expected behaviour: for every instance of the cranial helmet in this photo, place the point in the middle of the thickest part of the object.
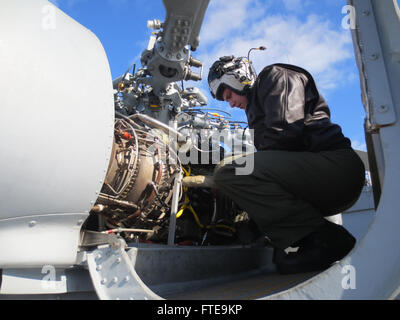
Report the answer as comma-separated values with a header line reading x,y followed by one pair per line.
x,y
236,74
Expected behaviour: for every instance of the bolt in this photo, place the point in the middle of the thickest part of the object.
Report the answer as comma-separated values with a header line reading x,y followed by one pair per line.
x,y
118,260
366,13
115,280
116,245
99,267
98,256
32,223
103,281
374,56
383,109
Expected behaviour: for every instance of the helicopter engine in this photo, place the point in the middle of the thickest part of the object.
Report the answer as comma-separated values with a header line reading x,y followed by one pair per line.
x,y
163,131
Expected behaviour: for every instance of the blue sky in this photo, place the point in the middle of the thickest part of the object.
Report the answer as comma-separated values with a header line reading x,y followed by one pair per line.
x,y
308,33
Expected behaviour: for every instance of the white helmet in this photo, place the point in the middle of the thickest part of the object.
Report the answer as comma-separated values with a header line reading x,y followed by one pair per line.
x,y
236,74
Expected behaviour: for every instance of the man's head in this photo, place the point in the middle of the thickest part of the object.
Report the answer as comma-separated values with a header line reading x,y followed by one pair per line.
x,y
235,74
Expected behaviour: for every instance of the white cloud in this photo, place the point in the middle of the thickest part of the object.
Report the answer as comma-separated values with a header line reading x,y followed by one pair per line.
x,y
313,43
222,17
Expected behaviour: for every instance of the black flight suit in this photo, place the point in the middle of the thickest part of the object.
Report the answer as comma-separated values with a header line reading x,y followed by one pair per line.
x,y
304,167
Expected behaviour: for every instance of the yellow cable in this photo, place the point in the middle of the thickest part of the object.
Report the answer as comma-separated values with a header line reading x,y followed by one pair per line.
x,y
180,212
187,205
226,227
187,172
196,217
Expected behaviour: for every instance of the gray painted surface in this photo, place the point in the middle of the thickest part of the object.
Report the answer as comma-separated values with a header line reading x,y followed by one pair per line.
x,y
56,131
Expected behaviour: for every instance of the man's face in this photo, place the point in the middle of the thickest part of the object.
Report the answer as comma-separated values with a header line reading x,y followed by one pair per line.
x,y
235,100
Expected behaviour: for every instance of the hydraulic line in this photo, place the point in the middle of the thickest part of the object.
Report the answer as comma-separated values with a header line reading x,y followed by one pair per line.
x,y
119,230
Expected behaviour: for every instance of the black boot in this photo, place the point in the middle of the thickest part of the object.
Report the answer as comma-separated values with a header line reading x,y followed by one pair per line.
x,y
318,251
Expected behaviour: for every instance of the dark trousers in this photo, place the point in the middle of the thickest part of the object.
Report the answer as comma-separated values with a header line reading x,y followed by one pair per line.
x,y
288,194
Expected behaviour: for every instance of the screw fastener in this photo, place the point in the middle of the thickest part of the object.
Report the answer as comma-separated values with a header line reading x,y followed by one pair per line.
x,y
32,224
374,56
383,109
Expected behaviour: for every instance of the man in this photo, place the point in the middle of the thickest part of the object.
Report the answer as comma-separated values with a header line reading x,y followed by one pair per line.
x,y
304,167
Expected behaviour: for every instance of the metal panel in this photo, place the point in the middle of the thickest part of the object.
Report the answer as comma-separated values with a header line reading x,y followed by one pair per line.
x,y
114,276
377,93
35,241
56,122
375,262
35,283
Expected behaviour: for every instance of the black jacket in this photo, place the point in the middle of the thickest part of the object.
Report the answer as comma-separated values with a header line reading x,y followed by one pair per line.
x,y
287,112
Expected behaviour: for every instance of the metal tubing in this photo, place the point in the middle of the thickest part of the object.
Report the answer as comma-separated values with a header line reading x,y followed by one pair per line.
x,y
174,208
158,124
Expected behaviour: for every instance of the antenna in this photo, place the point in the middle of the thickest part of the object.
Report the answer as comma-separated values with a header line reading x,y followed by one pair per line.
x,y
259,48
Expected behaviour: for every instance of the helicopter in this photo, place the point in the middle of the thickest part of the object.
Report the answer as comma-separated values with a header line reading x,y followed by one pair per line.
x,y
110,193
